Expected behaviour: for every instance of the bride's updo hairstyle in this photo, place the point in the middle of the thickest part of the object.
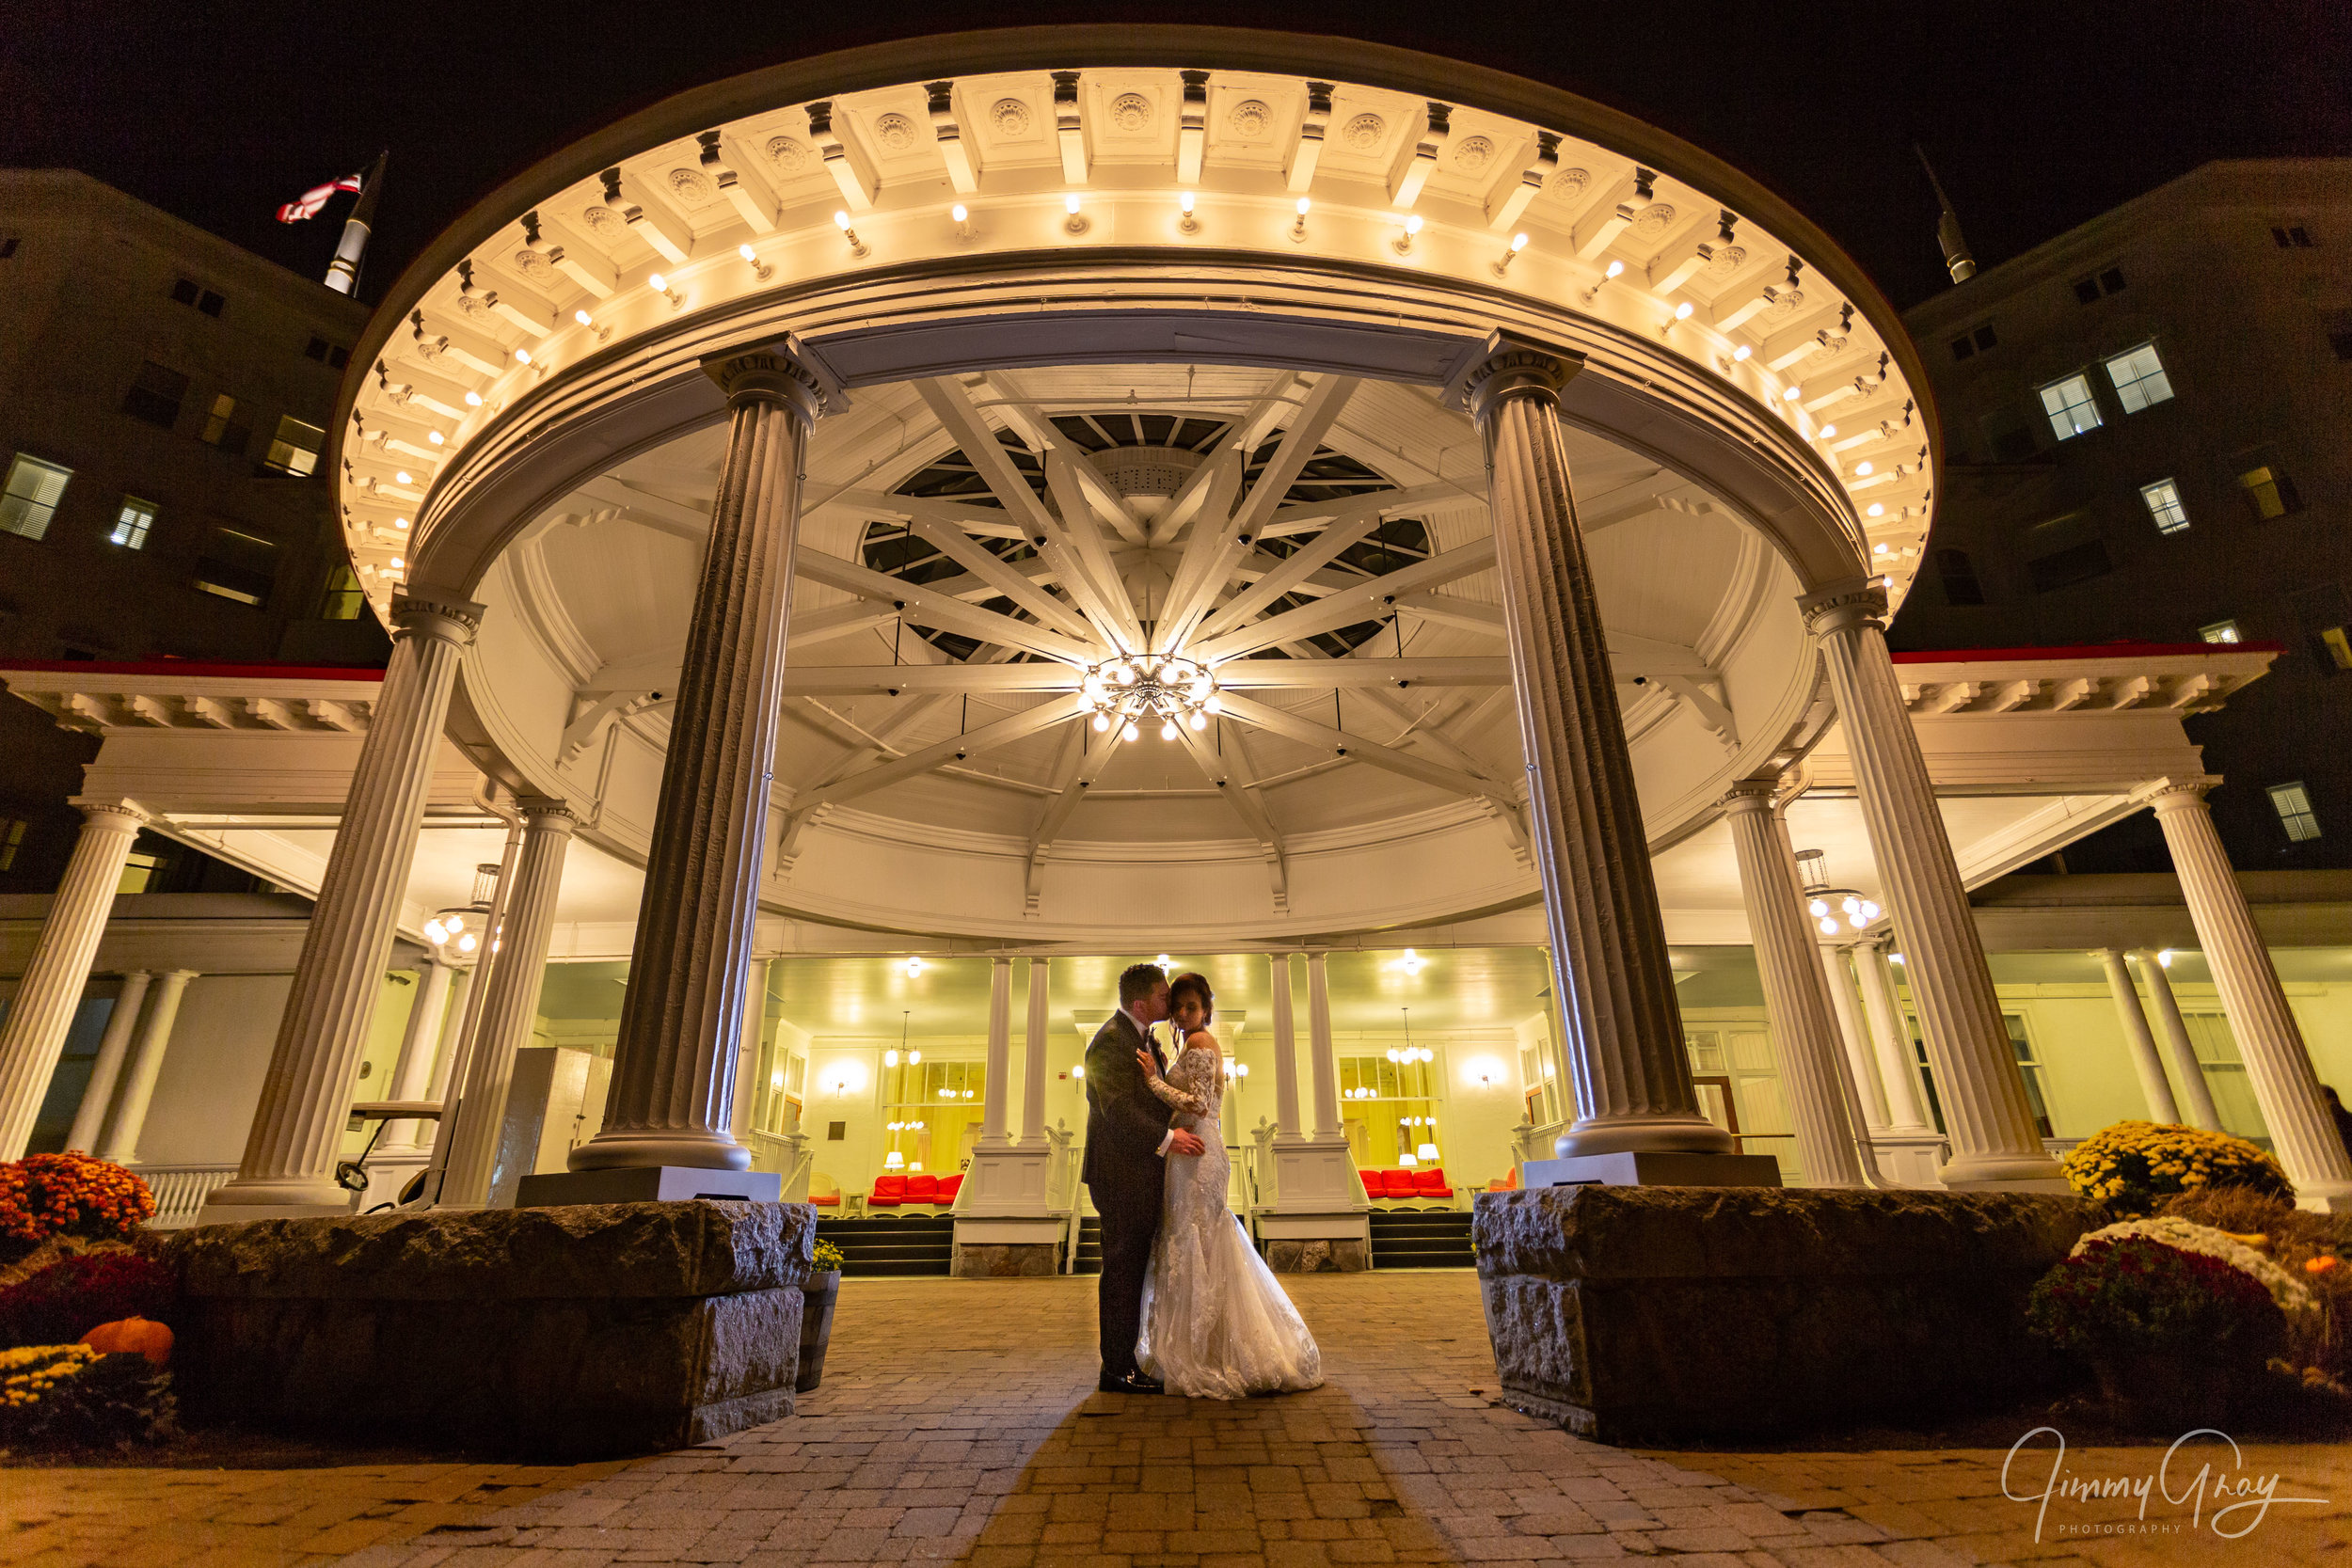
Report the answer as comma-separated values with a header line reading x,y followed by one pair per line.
x,y
1190,984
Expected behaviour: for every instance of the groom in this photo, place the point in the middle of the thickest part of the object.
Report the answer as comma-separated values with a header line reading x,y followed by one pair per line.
x,y
1128,1141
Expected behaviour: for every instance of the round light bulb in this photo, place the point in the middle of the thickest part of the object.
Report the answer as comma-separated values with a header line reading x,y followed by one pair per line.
x,y
1742,354
1790,395
1304,204
1864,468
473,400
958,211
436,933
1183,203
583,318
1102,721
1876,509
1829,927
890,1058
1198,721
841,220
747,253
1412,225
1682,312
658,283
1070,203
522,357
1818,908
1615,269
435,436
1518,242
1827,431
401,475
1130,732
1167,729
455,923
468,943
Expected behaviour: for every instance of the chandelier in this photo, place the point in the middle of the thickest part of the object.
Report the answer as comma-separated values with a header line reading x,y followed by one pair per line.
x,y
1827,904
1132,688
457,932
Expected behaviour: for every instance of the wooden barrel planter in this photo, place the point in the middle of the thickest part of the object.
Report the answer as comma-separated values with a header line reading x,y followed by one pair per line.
x,y
819,1292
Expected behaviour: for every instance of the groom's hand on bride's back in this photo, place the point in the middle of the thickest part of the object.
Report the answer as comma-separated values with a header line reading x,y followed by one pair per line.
x,y
1182,1142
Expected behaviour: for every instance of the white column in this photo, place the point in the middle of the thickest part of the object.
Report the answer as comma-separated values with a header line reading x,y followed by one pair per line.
x,y
509,1005
2138,1039
419,1045
1611,967
2195,1094
1034,1069
751,1093
89,1120
2302,1132
999,1067
1854,1034
672,1066
454,1014
296,1137
1285,1048
1987,1117
1791,967
1899,1066
1323,1060
147,1061
41,1013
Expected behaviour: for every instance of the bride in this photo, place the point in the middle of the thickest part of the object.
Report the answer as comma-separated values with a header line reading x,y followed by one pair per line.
x,y
1216,1323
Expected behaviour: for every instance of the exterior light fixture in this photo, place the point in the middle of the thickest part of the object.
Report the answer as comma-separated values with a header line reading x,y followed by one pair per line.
x,y
435,436
1073,220
841,221
1078,1072
1163,961
1827,431
2164,960
590,322
1876,509
661,285
1610,271
1403,244
1299,229
1833,909
1411,963
760,269
1241,1069
1135,686
522,357
1741,354
1185,223
1791,394
1682,312
962,215
473,400
890,1058
915,965
1502,262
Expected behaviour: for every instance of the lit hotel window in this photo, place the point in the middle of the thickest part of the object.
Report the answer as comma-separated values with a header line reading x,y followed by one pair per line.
x,y
2270,492
2221,631
2292,803
132,521
297,449
2164,506
30,498
2069,406
2140,378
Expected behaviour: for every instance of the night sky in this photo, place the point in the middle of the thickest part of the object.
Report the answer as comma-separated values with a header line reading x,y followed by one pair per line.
x,y
2037,117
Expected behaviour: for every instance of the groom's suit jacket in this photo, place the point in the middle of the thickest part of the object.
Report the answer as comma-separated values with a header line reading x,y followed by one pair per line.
x,y
1125,1120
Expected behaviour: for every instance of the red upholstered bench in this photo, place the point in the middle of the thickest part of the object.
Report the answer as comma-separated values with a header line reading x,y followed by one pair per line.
x,y
1396,1184
949,1186
1370,1179
1431,1183
922,1189
889,1191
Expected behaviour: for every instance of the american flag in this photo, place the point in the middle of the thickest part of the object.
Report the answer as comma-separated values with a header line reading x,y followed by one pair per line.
x,y
308,204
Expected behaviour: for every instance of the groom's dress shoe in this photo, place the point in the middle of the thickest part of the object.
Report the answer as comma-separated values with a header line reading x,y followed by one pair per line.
x,y
1130,1383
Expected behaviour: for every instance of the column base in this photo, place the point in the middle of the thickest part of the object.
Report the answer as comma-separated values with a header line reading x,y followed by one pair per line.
x,y
1643,1136
646,1185
2004,1172
1316,1244
1914,1158
236,1200
2325,1200
1653,1169
237,1213
1315,1176
661,1150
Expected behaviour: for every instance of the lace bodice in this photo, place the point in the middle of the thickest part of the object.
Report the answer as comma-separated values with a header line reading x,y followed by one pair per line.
x,y
1195,1082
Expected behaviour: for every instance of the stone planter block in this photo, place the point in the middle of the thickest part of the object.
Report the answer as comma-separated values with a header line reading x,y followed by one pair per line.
x,y
582,1332
1663,1313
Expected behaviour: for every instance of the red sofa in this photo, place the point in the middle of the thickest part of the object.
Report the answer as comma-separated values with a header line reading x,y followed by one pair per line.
x,y
1426,1182
910,1191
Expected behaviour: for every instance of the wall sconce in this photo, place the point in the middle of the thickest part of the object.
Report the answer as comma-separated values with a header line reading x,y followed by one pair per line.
x,y
1403,244
1076,221
590,322
915,965
1503,264
857,246
1078,1072
661,285
1615,269
962,215
1186,223
1299,229
760,269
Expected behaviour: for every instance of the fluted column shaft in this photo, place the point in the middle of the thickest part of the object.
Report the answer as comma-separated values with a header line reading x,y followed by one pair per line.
x,y
1854,1034
2194,1094
146,1064
90,1119
1611,968
1986,1113
1794,996
999,1066
2138,1040
751,1094
290,1154
673,1063
1323,1061
2302,1132
1898,1070
1035,1045
1285,1048
420,1045
41,1013
510,1004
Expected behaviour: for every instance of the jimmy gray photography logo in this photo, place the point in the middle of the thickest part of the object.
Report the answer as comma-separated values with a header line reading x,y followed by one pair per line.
x,y
2229,1500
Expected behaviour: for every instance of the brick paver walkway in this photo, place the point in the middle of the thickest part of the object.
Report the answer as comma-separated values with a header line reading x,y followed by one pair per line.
x,y
957,1423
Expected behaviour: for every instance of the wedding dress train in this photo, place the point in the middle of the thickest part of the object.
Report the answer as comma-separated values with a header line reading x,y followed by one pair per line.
x,y
1217,1323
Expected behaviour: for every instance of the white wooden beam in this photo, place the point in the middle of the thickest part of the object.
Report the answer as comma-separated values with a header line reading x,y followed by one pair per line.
x,y
1351,605
988,737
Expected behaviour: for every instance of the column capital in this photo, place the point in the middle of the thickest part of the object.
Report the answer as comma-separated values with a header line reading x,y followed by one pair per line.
x,y
1509,365
1750,794
444,617
1845,605
2178,794
551,816
773,373
113,815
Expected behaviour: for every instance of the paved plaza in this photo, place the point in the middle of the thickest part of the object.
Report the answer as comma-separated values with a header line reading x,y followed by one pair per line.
x,y
958,1422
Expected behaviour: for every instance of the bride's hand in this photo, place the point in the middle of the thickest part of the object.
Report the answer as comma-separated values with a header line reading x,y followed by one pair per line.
x,y
1150,1064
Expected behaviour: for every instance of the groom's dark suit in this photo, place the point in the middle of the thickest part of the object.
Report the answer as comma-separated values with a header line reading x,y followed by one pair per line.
x,y
1124,1172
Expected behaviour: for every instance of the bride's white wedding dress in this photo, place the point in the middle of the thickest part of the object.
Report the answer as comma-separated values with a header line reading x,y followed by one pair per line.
x,y
1216,1324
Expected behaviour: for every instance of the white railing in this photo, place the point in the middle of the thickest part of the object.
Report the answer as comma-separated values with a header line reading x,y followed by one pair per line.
x,y
180,1191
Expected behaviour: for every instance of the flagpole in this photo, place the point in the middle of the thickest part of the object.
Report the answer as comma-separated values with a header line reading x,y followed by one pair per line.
x,y
342,274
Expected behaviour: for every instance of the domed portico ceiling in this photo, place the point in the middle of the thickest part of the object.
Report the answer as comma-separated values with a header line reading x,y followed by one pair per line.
x,y
1136,340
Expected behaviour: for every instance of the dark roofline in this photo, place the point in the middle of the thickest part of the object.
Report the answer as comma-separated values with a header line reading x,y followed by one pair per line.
x,y
197,666
2099,650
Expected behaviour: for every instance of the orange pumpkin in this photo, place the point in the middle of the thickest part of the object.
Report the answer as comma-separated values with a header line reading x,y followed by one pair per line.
x,y
132,1336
